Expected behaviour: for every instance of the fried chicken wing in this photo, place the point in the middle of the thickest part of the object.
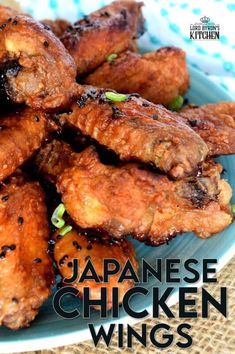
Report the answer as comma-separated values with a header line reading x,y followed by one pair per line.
x,y
78,246
215,123
130,199
26,268
112,29
35,67
21,134
159,76
138,129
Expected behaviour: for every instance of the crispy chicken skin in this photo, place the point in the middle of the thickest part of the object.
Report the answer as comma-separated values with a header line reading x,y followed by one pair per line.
x,y
21,134
217,108
58,27
112,29
7,12
35,67
26,268
159,76
78,246
215,123
130,199
138,129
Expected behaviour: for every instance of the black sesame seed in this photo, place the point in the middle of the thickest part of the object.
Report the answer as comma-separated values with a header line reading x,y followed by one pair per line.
x,y
81,102
37,260
2,255
36,118
5,198
15,300
155,116
3,26
76,245
193,123
7,181
63,259
105,13
51,246
4,248
70,264
46,27
116,112
14,22
145,104
20,220
46,44
134,95
124,13
86,19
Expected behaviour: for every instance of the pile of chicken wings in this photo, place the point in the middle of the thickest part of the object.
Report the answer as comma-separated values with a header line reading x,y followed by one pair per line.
x,y
85,124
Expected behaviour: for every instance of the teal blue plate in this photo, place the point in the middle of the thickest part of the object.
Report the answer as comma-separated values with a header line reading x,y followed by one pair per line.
x,y
50,330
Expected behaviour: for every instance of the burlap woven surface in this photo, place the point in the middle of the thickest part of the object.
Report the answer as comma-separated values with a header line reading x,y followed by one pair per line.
x,y
215,335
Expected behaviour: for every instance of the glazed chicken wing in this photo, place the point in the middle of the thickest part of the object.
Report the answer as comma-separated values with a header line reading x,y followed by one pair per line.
x,y
35,67
138,129
215,123
159,76
21,134
132,200
26,268
78,246
112,29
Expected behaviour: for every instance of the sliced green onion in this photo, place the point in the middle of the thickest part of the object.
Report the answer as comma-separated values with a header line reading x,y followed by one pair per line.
x,y
116,97
65,230
111,57
176,103
233,208
57,216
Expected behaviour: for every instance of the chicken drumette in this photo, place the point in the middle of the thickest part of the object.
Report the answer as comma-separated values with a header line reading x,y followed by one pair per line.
x,y
26,269
129,199
159,76
78,246
112,29
35,67
138,129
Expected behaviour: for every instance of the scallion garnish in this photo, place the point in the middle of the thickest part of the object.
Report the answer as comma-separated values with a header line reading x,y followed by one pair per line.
x,y
116,97
57,216
111,57
176,103
233,209
65,230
